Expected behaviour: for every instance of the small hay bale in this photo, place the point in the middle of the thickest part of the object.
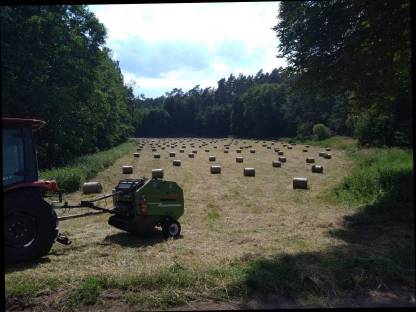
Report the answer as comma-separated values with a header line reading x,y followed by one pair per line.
x,y
307,146
215,169
321,154
310,160
300,183
328,149
92,187
207,151
181,151
156,155
276,163
191,155
280,153
225,151
172,154
154,150
177,162
317,169
211,158
249,172
305,150
157,173
127,169
252,151
163,148
269,147
195,151
282,158
136,155
238,151
327,156
239,159
289,147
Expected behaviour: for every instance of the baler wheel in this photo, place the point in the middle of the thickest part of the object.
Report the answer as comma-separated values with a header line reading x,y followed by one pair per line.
x,y
171,228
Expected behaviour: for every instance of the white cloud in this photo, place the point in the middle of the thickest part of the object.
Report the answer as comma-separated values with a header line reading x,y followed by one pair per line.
x,y
208,25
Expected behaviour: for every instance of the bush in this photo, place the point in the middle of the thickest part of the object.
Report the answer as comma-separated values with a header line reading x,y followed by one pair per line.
x,y
374,130
321,132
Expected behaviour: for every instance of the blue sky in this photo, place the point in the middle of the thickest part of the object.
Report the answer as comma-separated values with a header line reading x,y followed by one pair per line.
x,y
180,45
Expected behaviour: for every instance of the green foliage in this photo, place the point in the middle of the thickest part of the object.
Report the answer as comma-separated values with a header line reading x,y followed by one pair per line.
x,y
321,132
379,175
56,68
71,177
374,129
361,48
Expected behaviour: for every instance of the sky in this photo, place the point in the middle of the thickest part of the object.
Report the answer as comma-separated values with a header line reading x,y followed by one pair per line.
x,y
180,45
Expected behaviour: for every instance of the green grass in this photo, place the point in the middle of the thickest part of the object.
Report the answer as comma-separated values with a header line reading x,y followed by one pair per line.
x,y
71,177
378,175
337,141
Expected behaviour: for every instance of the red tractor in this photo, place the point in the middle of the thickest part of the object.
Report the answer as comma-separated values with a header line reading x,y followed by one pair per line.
x,y
30,222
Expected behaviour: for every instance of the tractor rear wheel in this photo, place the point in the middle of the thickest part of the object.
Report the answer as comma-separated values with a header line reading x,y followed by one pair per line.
x,y
171,228
30,227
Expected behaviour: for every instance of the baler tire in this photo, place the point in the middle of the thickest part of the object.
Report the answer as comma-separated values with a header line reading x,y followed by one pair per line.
x,y
31,214
171,228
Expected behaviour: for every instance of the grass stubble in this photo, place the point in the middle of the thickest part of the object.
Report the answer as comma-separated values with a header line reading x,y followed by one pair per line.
x,y
247,242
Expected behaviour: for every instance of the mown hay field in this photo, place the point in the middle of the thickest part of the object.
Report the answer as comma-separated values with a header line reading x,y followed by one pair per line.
x,y
245,241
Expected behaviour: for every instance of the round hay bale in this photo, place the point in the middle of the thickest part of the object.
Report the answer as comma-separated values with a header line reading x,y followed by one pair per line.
x,y
282,158
307,146
215,147
238,151
92,187
136,155
328,149
327,156
276,163
181,151
280,153
156,155
321,154
211,158
317,169
289,147
300,183
177,162
163,148
239,159
194,151
191,155
127,169
157,173
154,150
276,149
252,151
215,169
310,160
269,147
207,150
225,151
305,150
172,154
249,172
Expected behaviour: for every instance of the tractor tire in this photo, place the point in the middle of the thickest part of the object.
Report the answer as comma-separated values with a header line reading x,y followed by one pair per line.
x,y
171,228
30,227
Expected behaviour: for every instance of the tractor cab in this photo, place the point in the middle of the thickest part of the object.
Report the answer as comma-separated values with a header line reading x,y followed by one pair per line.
x,y
30,223
19,155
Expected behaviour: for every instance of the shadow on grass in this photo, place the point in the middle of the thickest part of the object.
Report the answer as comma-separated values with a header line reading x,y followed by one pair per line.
x,y
22,266
134,241
375,268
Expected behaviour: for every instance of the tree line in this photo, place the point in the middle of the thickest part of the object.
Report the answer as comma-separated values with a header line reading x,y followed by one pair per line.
x,y
348,71
55,67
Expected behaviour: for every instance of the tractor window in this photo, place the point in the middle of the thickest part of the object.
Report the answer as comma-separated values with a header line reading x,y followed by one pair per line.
x,y
13,156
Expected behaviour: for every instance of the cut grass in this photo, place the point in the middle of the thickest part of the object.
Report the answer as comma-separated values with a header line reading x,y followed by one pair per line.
x,y
74,174
242,239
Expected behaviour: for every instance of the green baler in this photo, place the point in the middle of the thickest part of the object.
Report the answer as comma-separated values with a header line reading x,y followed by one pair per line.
x,y
142,204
